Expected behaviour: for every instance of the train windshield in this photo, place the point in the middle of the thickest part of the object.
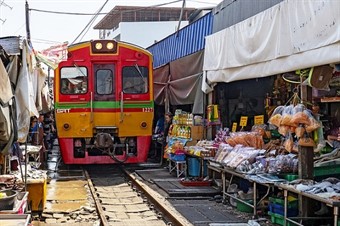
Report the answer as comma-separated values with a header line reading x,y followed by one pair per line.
x,y
135,79
73,80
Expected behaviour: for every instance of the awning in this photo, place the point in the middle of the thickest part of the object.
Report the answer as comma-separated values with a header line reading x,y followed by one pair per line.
x,y
179,82
288,36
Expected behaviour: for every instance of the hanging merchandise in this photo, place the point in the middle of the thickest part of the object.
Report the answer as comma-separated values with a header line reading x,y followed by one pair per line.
x,y
306,141
320,77
213,114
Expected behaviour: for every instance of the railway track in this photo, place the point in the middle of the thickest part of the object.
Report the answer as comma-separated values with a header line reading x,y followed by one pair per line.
x,y
104,195
122,198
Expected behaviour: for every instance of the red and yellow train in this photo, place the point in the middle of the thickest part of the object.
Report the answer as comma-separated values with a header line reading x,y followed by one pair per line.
x,y
103,100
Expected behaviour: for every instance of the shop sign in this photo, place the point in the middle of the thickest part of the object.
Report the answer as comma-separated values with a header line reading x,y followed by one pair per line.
x,y
243,121
258,119
233,129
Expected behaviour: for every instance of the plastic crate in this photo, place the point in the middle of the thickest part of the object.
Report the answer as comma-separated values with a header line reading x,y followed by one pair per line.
x,y
244,207
332,169
279,219
279,209
177,157
292,202
289,177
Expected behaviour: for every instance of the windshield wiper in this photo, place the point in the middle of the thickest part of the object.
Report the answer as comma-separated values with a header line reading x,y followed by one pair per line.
x,y
79,69
140,73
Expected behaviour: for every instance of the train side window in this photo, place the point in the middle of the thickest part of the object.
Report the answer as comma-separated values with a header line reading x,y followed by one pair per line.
x,y
135,79
73,80
104,81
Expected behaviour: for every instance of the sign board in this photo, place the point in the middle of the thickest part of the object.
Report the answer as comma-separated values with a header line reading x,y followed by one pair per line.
x,y
233,129
243,121
258,119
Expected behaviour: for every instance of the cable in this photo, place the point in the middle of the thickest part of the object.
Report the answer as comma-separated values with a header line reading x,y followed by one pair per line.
x,y
90,22
46,41
93,14
209,3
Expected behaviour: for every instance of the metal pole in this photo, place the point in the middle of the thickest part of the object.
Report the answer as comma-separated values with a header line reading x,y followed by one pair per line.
x,y
180,17
28,33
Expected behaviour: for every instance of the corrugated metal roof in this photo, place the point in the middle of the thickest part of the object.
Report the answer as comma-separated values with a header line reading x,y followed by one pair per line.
x,y
230,12
186,41
138,13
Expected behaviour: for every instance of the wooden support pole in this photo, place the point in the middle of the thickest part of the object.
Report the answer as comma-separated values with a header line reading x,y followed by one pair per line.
x,y
306,163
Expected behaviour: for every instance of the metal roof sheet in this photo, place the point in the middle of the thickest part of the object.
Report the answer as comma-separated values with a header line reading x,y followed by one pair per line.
x,y
186,41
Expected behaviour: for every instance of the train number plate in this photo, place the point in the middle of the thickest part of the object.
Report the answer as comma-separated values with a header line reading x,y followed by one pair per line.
x,y
147,109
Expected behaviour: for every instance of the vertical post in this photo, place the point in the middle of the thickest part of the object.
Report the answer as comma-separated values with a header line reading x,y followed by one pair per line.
x,y
306,163
28,32
180,18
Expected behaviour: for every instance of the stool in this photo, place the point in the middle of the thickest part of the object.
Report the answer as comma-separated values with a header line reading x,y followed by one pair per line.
x,y
179,166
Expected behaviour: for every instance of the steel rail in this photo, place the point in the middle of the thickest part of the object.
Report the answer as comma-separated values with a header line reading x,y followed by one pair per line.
x,y
96,200
170,213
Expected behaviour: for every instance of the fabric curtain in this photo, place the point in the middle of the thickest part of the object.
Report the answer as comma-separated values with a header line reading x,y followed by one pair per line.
x,y
179,82
288,36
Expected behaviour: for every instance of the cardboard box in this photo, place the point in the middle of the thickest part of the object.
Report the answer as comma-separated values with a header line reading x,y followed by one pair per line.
x,y
197,133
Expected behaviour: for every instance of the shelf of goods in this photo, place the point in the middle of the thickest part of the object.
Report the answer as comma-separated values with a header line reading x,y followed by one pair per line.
x,y
190,132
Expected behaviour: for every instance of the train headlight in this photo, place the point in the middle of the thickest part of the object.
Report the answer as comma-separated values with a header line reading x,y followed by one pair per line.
x,y
66,126
143,125
109,45
99,46
104,46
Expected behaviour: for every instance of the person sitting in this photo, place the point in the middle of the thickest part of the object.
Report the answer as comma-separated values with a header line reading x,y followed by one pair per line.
x,y
159,129
334,138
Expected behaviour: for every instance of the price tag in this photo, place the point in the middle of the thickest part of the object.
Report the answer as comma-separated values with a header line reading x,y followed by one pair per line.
x,y
233,129
243,121
259,119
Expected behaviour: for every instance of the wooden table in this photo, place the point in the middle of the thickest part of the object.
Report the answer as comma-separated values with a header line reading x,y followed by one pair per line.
x,y
288,188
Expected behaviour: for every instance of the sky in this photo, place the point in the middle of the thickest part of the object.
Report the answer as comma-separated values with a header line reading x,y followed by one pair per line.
x,y
49,29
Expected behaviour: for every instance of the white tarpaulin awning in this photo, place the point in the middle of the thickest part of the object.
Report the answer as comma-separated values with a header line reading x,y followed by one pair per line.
x,y
288,36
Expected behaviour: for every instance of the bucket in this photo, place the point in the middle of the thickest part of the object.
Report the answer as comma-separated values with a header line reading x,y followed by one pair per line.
x,y
7,199
193,167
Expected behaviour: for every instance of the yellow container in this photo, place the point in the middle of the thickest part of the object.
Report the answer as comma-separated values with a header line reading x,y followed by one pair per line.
x,y
37,194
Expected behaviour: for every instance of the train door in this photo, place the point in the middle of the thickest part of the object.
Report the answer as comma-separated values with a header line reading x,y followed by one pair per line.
x,y
105,98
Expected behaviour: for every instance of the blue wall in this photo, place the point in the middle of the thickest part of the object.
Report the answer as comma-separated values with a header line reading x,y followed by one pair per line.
x,y
188,40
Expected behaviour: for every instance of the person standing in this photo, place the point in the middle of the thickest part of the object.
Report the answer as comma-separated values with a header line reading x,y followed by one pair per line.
x,y
167,126
41,136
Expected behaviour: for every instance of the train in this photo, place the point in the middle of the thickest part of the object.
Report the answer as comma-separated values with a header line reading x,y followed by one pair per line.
x,y
103,103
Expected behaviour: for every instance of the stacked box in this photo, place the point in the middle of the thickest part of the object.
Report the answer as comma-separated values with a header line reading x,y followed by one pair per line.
x,y
276,206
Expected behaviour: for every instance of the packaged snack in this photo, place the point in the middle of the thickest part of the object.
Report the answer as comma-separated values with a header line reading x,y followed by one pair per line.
x,y
301,118
283,130
314,125
275,120
299,131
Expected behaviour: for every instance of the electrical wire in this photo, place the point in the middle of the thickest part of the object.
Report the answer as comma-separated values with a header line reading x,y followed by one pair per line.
x,y
209,3
93,14
90,22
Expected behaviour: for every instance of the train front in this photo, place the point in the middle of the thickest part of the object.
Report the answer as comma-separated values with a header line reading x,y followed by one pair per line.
x,y
104,103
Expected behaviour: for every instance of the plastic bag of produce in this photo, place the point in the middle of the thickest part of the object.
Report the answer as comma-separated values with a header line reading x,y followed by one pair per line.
x,y
301,118
299,131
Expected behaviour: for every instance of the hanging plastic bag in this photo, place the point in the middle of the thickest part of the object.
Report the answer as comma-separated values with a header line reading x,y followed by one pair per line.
x,y
300,131
306,141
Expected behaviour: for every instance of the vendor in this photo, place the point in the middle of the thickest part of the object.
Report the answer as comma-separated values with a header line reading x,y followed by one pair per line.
x,y
334,138
167,126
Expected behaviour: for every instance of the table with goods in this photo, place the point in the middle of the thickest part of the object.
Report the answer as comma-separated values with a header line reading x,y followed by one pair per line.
x,y
268,155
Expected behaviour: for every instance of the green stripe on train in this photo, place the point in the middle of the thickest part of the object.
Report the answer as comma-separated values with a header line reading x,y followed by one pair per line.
x,y
102,104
